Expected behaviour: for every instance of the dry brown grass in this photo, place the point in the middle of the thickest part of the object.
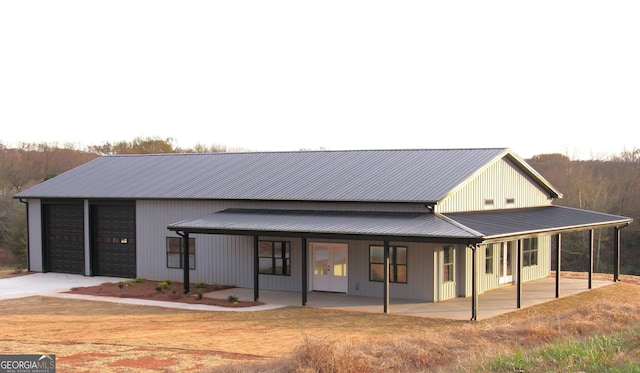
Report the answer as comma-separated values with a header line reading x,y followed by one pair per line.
x,y
96,336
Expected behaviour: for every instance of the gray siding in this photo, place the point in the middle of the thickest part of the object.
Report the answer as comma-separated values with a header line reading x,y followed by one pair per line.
x,y
498,181
419,271
35,235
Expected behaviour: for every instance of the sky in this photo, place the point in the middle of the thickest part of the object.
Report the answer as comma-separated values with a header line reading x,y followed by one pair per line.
x,y
534,76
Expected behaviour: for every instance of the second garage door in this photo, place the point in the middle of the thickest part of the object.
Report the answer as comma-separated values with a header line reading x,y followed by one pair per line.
x,y
113,231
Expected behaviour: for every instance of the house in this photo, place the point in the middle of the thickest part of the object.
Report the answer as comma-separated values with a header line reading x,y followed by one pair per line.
x,y
418,224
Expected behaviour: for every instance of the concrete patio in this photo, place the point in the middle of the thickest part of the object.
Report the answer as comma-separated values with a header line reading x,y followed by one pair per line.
x,y
491,303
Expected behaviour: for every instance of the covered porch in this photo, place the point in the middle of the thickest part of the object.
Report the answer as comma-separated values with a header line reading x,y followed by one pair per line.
x,y
469,229
491,303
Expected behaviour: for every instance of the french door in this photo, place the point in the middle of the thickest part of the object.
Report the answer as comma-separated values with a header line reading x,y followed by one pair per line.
x,y
330,267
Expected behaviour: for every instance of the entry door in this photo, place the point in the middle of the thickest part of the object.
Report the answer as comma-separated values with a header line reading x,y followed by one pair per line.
x,y
506,265
330,267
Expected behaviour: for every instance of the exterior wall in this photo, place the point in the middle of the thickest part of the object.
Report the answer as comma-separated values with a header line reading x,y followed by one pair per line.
x,y
420,275
229,260
499,181
491,281
35,235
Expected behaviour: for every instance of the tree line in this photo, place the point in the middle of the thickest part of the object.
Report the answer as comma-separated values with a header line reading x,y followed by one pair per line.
x,y
609,185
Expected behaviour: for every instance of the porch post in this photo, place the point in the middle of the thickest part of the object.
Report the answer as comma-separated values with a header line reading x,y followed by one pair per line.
x,y
558,262
519,287
616,254
591,241
386,277
305,271
185,262
474,283
256,269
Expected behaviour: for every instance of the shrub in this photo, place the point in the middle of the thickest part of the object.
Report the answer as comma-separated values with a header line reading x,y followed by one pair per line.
x,y
200,295
233,299
159,288
138,280
168,281
174,291
200,285
127,282
164,284
120,285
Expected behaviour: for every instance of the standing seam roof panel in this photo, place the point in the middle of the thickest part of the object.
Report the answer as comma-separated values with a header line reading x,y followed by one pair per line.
x,y
367,175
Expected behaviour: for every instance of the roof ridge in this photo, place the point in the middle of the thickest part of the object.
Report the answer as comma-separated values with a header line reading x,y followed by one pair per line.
x,y
310,151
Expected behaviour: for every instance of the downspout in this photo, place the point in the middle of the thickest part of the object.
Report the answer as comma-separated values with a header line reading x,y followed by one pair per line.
x,y
26,203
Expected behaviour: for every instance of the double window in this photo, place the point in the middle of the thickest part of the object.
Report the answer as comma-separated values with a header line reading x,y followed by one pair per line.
x,y
175,251
397,264
530,251
275,257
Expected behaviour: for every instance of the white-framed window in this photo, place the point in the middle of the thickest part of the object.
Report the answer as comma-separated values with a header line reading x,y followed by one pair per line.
x,y
448,264
489,253
530,252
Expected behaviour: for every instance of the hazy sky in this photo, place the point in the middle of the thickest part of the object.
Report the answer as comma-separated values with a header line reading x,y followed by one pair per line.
x,y
536,76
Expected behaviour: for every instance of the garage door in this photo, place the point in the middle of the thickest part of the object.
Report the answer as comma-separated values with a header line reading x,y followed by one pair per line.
x,y
114,240
64,237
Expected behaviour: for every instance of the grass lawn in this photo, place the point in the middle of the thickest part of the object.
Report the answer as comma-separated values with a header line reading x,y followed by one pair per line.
x,y
91,336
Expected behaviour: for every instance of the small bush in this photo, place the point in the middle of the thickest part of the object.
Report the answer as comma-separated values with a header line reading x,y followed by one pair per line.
x,y
174,291
164,284
200,295
168,281
159,288
138,280
120,285
127,283
233,299
200,285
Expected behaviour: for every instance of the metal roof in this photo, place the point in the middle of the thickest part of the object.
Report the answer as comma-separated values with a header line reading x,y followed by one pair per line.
x,y
335,223
469,228
358,175
547,219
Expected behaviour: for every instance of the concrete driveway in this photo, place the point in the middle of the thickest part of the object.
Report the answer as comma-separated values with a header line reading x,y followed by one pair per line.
x,y
56,284
47,284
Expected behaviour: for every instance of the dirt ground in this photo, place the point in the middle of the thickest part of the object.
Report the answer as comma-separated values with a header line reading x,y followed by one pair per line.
x,y
89,336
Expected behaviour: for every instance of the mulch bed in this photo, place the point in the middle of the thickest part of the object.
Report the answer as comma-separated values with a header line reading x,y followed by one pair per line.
x,y
146,289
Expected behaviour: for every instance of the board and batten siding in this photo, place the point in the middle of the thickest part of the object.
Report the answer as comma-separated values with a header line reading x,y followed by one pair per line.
x,y
498,182
488,281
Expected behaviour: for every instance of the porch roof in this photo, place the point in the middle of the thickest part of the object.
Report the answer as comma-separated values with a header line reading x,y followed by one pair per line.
x,y
331,224
494,224
466,227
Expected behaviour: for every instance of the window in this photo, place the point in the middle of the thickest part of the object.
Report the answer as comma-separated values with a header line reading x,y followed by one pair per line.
x,y
510,202
489,203
175,252
530,252
274,257
448,264
488,259
397,264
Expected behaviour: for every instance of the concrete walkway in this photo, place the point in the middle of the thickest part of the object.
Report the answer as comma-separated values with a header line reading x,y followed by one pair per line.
x,y
491,303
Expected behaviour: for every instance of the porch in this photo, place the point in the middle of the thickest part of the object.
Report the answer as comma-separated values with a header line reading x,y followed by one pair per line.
x,y
490,303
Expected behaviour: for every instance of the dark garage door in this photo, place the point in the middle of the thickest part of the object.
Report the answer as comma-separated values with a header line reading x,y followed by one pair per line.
x,y
63,237
114,240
